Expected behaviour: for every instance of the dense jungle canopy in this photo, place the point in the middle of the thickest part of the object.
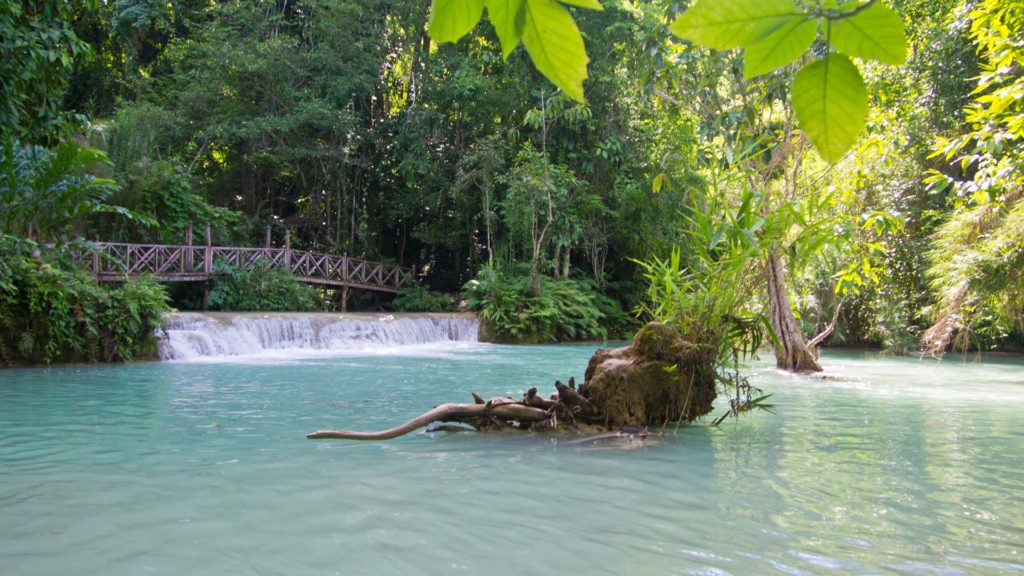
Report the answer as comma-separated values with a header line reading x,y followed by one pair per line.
x,y
682,185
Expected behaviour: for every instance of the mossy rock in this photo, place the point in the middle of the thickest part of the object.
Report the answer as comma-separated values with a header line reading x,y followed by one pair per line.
x,y
659,378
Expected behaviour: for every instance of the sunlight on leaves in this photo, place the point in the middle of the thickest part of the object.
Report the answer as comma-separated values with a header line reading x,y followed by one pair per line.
x,y
781,47
592,4
726,25
876,33
503,15
831,103
555,45
453,19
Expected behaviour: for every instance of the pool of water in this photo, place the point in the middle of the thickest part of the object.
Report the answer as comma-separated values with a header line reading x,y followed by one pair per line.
x,y
889,466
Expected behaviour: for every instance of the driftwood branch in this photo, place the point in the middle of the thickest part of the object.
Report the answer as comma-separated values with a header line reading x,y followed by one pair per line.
x,y
443,413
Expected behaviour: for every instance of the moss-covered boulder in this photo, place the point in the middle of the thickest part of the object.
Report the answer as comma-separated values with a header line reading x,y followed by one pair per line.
x,y
657,379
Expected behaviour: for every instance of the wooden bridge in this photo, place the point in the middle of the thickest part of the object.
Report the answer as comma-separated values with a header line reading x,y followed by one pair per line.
x,y
113,262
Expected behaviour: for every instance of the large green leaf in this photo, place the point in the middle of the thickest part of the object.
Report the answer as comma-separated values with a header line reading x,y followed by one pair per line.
x,y
453,19
503,15
876,33
555,45
831,103
780,47
726,24
592,4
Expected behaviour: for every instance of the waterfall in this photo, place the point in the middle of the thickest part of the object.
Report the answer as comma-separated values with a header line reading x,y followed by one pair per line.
x,y
189,336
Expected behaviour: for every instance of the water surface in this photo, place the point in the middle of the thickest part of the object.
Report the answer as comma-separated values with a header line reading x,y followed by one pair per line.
x,y
891,466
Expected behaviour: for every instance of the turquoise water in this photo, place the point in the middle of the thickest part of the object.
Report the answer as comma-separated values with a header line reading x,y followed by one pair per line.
x,y
893,466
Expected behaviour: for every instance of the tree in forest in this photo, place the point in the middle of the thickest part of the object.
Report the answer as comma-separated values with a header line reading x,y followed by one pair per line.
x,y
38,49
480,170
828,94
977,261
537,191
134,22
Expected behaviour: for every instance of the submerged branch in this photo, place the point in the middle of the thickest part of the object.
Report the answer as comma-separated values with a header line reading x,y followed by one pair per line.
x,y
443,413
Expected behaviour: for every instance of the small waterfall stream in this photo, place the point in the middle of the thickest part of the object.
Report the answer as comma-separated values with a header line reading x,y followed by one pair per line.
x,y
190,336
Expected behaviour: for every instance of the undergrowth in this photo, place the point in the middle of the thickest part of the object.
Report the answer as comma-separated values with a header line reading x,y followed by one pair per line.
x,y
52,311
565,310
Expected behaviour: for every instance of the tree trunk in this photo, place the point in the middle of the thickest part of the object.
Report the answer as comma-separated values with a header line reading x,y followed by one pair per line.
x,y
535,287
791,352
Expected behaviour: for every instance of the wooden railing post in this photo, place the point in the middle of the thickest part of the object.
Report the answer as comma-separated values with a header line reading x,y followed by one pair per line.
x,y
207,268
96,258
266,247
208,253
344,269
288,251
188,251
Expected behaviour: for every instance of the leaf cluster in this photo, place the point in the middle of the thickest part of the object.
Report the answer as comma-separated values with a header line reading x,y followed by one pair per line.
x,y
545,27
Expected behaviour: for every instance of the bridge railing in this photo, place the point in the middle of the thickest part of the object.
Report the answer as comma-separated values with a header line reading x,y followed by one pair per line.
x,y
113,260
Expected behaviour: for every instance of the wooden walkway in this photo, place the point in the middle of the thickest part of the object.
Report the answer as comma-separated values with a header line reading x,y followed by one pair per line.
x,y
112,262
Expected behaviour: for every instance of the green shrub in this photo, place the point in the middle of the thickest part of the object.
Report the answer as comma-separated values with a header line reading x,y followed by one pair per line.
x,y
51,311
419,299
260,290
566,310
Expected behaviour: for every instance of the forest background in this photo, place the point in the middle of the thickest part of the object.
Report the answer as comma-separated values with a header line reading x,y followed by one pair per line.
x,y
342,122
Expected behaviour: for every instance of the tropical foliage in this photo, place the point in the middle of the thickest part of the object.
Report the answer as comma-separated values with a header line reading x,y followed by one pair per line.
x,y
977,259
419,299
45,194
565,309
50,310
259,289
865,153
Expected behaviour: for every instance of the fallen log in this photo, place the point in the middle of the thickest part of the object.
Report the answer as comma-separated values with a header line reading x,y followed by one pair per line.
x,y
443,413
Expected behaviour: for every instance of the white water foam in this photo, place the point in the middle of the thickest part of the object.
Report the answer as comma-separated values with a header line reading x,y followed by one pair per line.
x,y
194,336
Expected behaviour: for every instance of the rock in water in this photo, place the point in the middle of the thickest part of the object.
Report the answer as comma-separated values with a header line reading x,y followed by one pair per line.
x,y
657,379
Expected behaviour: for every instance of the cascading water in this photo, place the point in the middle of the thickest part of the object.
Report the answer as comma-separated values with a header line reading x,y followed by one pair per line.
x,y
190,336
